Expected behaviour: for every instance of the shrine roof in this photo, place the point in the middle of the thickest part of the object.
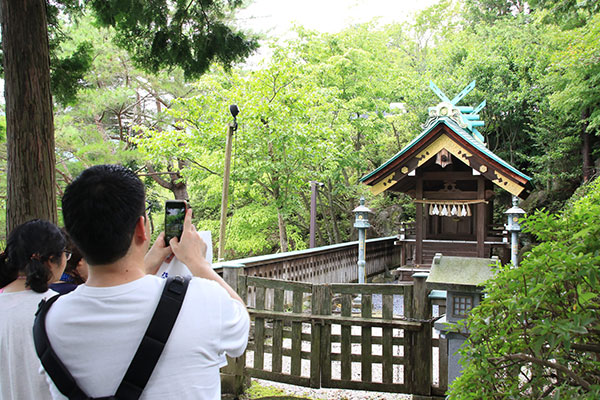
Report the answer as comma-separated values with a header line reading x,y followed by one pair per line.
x,y
463,133
451,131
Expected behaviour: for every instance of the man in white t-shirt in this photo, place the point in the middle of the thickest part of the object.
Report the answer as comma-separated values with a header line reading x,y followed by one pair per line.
x,y
96,329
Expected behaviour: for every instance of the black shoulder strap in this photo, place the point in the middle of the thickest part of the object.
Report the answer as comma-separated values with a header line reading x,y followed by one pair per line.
x,y
145,358
60,375
154,339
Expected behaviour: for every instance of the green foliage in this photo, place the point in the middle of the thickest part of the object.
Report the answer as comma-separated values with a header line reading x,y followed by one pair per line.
x,y
99,126
490,11
536,334
68,72
319,109
250,231
284,113
567,13
575,74
166,33
3,128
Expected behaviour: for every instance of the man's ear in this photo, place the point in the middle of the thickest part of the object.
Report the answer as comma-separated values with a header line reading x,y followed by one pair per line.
x,y
140,229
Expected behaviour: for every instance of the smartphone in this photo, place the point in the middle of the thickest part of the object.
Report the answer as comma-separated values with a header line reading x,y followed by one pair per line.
x,y
174,215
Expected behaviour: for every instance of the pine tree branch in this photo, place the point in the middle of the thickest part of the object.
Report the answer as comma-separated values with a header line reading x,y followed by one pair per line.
x,y
66,177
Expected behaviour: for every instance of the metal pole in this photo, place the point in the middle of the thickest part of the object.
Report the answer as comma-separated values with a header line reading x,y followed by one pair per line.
x,y
225,194
313,212
514,248
361,255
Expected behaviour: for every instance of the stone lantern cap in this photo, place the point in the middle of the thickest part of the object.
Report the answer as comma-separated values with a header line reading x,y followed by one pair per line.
x,y
362,215
460,274
362,208
515,209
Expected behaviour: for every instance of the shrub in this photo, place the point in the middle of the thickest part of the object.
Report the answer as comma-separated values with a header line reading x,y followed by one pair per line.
x,y
537,332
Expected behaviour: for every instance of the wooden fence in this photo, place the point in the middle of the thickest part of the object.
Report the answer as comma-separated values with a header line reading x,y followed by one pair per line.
x,y
335,263
370,337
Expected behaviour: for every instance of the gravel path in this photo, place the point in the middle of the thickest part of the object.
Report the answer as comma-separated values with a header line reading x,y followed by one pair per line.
x,y
333,394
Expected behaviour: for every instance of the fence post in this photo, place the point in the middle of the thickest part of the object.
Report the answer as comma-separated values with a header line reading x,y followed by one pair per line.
x,y
422,369
408,301
318,300
233,380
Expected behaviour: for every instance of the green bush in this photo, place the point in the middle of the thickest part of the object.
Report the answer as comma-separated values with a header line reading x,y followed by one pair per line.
x,y
537,333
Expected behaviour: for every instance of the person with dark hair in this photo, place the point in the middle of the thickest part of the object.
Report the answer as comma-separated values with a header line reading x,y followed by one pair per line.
x,y
95,330
34,256
75,272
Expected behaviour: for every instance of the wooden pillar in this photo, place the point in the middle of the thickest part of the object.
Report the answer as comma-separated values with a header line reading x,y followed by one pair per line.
x,y
320,303
419,227
443,363
419,350
481,225
233,380
403,245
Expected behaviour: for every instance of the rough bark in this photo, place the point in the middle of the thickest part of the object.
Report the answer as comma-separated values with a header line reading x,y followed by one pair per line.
x,y
29,123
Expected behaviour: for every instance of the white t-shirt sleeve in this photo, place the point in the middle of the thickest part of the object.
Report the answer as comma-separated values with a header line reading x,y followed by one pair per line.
x,y
235,326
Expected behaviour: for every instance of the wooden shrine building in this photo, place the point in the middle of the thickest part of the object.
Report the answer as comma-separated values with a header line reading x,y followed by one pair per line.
x,y
450,173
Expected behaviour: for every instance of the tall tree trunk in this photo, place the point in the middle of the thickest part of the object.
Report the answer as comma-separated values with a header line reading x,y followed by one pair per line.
x,y
29,124
325,225
180,191
585,147
336,230
283,241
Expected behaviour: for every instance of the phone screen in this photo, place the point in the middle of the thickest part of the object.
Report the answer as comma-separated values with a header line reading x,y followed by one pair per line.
x,y
174,215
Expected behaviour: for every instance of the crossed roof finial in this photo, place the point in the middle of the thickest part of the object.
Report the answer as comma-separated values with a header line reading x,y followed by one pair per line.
x,y
467,117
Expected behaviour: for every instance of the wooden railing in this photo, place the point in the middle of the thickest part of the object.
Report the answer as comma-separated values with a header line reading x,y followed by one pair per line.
x,y
310,342
288,314
495,232
495,244
335,263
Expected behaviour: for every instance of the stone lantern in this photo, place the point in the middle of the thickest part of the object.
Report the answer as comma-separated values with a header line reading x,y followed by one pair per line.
x,y
462,278
514,214
361,222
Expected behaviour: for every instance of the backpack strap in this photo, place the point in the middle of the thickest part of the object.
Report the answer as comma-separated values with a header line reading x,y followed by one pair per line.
x,y
154,339
145,359
57,371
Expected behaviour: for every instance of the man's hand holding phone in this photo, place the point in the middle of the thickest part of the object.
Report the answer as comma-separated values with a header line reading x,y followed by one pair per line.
x,y
191,249
158,253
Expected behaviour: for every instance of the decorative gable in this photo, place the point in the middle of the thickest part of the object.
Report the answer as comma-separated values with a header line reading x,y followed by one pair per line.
x,y
450,130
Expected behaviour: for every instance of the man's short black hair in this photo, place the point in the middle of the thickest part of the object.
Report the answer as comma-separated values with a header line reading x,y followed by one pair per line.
x,y
100,210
